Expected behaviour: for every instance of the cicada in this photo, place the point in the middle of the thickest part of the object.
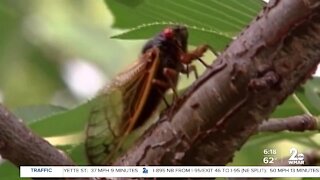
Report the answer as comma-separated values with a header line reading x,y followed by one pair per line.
x,y
133,95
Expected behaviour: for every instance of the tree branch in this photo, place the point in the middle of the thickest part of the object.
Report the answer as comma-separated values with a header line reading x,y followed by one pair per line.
x,y
223,108
294,123
20,146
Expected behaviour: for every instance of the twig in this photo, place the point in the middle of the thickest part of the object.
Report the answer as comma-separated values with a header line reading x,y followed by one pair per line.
x,y
294,123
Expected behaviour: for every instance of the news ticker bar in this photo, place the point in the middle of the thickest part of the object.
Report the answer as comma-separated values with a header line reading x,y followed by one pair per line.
x,y
169,171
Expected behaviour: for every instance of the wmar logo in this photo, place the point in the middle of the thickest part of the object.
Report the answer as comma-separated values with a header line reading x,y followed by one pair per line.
x,y
295,157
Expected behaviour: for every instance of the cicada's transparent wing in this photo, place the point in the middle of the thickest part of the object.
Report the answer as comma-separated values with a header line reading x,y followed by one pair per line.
x,y
105,128
102,125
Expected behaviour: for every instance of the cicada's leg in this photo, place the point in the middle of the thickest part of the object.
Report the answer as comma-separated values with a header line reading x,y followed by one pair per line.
x,y
171,76
164,85
190,68
196,54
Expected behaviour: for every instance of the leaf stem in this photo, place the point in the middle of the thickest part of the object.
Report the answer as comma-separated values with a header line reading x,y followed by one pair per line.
x,y
300,103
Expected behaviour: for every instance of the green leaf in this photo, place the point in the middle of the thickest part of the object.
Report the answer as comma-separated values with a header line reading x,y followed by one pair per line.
x,y
77,154
197,35
312,90
224,16
64,123
213,22
291,108
31,114
9,171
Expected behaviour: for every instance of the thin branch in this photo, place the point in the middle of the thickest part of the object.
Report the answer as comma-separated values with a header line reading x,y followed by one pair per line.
x,y
22,147
294,123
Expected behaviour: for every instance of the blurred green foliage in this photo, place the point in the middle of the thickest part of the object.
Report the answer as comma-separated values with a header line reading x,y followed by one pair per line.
x,y
38,37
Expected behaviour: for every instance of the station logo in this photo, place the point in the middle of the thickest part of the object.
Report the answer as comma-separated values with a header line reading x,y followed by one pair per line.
x,y
295,157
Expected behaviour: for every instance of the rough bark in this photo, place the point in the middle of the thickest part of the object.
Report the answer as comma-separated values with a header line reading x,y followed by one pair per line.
x,y
22,147
223,108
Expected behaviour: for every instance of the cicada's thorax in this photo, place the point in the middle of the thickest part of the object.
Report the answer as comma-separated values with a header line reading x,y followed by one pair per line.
x,y
170,48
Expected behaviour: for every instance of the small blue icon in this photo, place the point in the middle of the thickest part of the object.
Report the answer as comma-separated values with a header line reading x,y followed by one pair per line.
x,y
145,171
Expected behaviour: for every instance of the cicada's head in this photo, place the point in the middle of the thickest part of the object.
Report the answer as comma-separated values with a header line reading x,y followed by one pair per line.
x,y
172,38
176,35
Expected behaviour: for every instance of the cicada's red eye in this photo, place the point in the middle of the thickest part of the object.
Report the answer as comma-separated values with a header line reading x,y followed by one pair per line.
x,y
168,33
